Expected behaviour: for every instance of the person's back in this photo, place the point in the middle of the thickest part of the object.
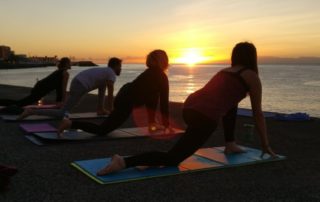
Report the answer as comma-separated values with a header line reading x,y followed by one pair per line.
x,y
95,77
50,83
157,85
229,87
146,90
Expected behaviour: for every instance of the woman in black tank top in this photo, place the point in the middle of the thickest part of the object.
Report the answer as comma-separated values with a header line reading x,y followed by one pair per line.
x,y
57,81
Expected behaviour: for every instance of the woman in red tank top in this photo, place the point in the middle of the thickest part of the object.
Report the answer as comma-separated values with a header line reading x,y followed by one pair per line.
x,y
218,99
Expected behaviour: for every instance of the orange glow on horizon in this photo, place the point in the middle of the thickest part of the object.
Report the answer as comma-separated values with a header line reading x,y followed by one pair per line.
x,y
192,56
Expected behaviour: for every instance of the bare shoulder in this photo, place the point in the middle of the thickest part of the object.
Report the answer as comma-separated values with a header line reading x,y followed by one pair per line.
x,y
251,77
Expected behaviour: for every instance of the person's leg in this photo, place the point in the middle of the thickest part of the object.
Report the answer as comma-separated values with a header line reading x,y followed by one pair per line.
x,y
198,131
77,91
28,100
112,122
37,92
122,109
229,123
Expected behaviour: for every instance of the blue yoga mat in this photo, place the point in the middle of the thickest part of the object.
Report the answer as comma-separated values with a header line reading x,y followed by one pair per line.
x,y
293,117
248,113
203,159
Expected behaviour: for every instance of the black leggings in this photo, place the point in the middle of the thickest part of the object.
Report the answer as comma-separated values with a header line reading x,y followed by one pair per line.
x,y
123,107
198,131
34,96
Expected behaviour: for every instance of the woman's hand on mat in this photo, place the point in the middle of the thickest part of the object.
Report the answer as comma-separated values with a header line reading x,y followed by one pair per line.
x,y
153,127
268,150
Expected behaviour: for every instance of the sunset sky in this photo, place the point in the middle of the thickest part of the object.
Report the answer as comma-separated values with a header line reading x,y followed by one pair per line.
x,y
189,30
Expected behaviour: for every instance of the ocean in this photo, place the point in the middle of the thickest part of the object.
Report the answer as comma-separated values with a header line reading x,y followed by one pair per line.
x,y
286,88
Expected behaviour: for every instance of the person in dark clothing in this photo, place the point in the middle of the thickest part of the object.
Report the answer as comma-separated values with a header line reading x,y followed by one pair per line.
x,y
147,89
203,109
57,81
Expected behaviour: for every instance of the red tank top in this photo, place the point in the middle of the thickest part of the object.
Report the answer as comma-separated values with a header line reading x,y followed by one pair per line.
x,y
223,92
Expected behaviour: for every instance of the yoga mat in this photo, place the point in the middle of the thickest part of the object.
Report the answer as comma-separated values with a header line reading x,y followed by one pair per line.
x,y
34,140
37,127
30,118
203,159
51,106
143,131
81,135
77,135
67,135
248,113
85,115
299,116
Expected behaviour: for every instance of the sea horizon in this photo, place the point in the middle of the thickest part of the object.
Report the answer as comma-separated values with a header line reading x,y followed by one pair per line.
x,y
287,88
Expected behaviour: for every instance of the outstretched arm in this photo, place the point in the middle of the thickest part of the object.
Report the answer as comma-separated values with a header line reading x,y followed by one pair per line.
x,y
255,92
110,87
101,97
62,93
164,101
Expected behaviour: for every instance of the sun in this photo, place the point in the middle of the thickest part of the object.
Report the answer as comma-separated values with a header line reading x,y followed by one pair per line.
x,y
191,57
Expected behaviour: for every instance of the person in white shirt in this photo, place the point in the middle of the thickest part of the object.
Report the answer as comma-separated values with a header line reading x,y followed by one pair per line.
x,y
101,78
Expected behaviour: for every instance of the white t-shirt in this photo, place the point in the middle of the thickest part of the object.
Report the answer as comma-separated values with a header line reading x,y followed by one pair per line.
x,y
96,78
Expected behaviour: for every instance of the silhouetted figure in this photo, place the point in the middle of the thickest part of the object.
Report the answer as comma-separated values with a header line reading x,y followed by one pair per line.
x,y
147,89
56,81
101,78
203,109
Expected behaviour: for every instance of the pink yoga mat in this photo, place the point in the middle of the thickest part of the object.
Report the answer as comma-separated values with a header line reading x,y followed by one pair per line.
x,y
37,127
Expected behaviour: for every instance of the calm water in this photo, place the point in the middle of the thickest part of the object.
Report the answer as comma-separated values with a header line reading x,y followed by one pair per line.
x,y
286,88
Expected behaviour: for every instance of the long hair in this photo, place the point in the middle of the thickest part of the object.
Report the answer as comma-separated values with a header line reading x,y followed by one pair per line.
x,y
245,54
157,59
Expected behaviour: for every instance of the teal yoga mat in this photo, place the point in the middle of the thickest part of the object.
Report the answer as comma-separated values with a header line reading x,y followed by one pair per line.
x,y
203,159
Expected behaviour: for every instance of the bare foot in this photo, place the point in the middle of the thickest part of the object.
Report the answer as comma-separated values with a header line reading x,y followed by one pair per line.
x,y
232,147
117,164
65,124
27,112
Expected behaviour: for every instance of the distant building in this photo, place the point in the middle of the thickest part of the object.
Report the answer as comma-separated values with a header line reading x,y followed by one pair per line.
x,y
5,52
45,59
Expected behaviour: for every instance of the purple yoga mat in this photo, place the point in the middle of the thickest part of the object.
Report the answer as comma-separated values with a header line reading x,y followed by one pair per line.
x,y
37,127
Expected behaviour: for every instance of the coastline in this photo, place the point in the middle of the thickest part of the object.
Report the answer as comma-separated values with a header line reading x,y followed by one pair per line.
x,y
45,175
